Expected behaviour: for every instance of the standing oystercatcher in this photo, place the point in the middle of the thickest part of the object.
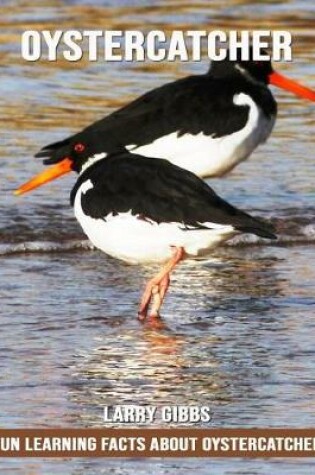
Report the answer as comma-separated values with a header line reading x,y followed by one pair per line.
x,y
206,124
144,210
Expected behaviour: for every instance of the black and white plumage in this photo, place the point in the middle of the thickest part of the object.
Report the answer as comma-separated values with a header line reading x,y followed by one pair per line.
x,y
206,124
144,210
138,209
154,209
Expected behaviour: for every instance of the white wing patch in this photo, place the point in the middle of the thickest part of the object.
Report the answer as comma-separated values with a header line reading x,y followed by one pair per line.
x,y
86,186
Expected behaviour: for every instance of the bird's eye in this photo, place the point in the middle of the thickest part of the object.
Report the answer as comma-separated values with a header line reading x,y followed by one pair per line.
x,y
79,147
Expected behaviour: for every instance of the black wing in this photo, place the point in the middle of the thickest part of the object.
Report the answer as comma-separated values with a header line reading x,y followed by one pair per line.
x,y
159,191
191,105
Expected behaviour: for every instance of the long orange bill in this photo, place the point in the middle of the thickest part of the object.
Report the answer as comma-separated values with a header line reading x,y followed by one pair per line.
x,y
47,175
278,80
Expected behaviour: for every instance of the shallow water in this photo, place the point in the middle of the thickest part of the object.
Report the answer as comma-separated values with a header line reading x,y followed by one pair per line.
x,y
237,329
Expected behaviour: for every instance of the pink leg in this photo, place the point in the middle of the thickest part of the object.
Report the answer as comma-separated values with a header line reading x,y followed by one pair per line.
x,y
157,287
158,294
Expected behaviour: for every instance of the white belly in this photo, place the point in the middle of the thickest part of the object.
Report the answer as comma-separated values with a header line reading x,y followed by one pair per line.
x,y
207,156
137,241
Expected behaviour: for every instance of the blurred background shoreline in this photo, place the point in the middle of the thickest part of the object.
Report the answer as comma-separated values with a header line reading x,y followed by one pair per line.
x,y
237,332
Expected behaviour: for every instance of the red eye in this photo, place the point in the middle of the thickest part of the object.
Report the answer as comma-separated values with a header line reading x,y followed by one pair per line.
x,y
79,147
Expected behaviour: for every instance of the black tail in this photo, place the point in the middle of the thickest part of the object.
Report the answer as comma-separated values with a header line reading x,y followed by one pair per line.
x,y
257,226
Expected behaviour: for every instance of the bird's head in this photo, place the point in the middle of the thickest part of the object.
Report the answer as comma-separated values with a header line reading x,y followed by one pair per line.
x,y
259,72
74,154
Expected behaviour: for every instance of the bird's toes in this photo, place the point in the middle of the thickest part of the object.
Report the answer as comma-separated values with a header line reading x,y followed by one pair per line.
x,y
154,314
141,316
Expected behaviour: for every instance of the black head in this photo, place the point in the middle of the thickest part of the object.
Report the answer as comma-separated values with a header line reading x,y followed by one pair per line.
x,y
81,149
74,154
255,70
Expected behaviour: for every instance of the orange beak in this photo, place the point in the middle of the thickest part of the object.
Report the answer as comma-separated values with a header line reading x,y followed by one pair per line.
x,y
61,168
278,80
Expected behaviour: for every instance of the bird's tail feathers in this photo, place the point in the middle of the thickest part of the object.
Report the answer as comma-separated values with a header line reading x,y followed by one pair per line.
x,y
259,227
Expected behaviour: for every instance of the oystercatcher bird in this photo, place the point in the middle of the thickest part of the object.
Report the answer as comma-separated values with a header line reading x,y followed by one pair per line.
x,y
206,124
146,210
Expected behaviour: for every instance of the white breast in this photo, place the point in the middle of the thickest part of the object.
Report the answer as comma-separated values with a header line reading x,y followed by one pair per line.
x,y
207,156
138,241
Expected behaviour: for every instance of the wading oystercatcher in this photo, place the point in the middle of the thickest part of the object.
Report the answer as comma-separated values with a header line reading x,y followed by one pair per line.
x,y
144,210
206,124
